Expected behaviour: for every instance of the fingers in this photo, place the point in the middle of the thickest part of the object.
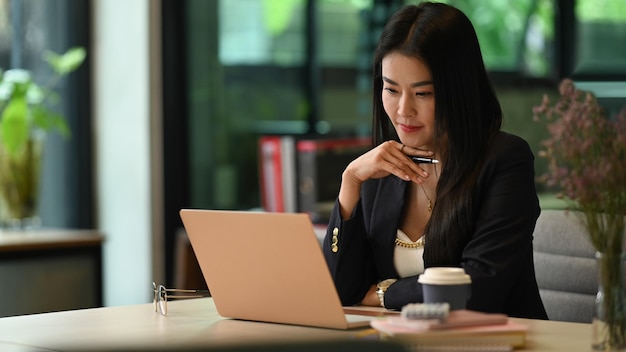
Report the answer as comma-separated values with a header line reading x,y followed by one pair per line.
x,y
388,158
398,157
404,168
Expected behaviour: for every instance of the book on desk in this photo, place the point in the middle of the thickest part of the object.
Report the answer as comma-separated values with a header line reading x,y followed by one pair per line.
x,y
463,330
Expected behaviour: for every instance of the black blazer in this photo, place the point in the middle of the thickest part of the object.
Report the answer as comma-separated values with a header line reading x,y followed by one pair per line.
x,y
498,256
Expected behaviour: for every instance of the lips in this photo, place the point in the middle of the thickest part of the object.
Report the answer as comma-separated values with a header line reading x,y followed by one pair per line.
x,y
409,128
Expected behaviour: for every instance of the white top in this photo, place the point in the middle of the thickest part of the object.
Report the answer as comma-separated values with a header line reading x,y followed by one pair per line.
x,y
408,261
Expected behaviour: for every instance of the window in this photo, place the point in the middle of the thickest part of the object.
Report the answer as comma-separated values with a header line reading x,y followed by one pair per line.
x,y
600,45
253,67
270,32
515,36
345,35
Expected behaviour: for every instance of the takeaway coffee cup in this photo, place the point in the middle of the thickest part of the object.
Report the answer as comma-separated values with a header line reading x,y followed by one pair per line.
x,y
441,285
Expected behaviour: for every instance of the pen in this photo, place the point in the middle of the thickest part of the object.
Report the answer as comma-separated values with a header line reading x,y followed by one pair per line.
x,y
420,160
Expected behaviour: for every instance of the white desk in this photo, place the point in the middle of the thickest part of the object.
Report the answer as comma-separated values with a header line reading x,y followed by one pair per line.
x,y
194,323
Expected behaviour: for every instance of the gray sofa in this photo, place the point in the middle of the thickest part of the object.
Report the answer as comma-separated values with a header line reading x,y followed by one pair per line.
x,y
565,266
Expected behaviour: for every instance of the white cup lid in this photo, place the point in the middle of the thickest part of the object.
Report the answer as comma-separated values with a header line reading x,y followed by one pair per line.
x,y
444,276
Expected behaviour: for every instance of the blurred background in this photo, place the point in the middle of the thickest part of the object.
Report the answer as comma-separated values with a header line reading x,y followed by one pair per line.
x,y
169,107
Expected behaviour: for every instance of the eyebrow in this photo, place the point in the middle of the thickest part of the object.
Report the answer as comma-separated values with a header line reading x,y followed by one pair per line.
x,y
414,85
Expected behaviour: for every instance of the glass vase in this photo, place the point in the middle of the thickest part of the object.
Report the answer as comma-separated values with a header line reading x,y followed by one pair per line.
x,y
19,185
609,322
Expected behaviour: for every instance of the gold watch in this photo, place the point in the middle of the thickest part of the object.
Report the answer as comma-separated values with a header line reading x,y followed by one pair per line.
x,y
381,287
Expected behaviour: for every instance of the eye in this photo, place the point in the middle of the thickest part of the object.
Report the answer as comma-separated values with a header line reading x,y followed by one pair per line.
x,y
390,90
423,94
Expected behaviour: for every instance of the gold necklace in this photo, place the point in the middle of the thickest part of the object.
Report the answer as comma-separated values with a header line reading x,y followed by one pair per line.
x,y
429,207
430,202
405,244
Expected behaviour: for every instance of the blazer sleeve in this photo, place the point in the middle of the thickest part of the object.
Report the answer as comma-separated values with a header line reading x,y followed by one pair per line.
x,y
402,292
348,255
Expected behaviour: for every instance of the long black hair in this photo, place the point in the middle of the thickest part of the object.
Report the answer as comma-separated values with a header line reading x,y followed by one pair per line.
x,y
467,113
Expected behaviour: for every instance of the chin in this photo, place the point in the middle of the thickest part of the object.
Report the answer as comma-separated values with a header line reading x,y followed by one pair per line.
x,y
412,142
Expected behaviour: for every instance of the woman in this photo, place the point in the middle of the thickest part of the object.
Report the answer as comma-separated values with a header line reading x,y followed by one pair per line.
x,y
476,208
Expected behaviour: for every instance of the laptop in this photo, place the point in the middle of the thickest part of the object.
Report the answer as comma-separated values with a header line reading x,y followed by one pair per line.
x,y
267,267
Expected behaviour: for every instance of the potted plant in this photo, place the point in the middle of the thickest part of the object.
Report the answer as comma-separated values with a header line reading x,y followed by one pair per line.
x,y
26,115
586,152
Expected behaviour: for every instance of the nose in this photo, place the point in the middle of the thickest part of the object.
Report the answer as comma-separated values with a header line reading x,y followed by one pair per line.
x,y
406,106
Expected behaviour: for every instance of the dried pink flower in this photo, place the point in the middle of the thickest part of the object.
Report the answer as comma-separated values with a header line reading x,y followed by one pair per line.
x,y
586,155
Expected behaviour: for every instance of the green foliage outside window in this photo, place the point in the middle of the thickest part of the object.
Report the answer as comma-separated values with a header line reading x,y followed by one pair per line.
x,y
514,35
601,10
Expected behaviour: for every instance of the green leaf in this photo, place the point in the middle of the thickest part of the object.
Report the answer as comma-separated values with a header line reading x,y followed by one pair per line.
x,y
35,94
47,120
24,105
68,62
14,127
40,118
58,122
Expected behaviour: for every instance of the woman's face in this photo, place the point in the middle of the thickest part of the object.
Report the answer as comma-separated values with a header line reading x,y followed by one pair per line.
x,y
409,99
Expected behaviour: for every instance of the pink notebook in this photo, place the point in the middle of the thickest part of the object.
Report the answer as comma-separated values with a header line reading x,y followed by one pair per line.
x,y
462,328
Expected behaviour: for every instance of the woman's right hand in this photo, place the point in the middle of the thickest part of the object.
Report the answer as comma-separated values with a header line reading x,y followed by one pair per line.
x,y
388,158
371,298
